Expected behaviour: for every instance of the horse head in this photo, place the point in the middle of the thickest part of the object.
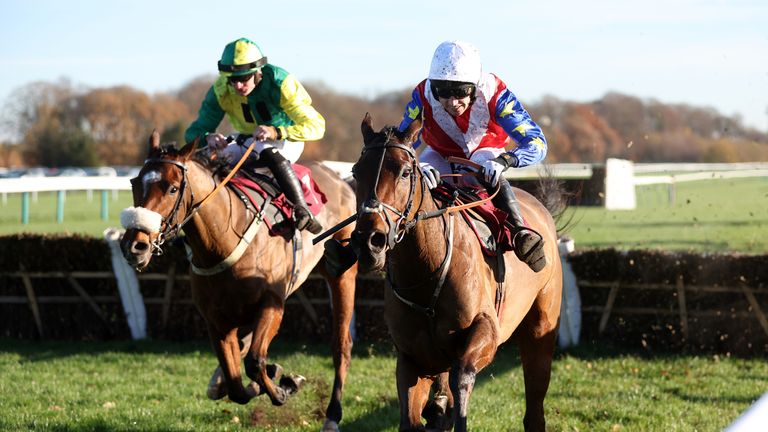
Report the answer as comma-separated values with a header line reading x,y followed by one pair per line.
x,y
161,196
388,180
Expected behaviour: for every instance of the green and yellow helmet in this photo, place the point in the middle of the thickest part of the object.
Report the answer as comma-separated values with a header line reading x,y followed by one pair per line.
x,y
241,57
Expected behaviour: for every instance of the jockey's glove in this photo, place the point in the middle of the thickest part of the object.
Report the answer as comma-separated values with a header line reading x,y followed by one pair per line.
x,y
431,174
494,168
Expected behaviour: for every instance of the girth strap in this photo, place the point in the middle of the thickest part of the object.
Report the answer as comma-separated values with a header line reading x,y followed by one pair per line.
x,y
236,253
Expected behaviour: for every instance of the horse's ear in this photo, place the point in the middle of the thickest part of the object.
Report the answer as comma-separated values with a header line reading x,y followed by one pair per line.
x,y
189,149
154,141
367,128
412,132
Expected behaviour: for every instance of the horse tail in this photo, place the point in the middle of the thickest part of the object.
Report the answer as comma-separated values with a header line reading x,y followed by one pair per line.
x,y
553,195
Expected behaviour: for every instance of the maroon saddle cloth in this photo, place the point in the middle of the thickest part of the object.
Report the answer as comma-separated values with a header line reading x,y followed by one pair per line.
x,y
278,215
486,220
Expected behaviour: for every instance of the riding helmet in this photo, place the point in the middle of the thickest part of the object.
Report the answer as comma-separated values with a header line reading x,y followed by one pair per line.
x,y
241,57
456,61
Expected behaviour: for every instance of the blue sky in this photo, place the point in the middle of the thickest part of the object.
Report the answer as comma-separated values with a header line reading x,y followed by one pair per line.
x,y
705,53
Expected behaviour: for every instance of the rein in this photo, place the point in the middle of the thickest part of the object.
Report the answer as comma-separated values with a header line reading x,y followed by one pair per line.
x,y
420,215
374,205
232,172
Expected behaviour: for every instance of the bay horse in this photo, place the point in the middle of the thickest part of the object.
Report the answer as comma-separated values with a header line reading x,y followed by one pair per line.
x,y
245,293
441,298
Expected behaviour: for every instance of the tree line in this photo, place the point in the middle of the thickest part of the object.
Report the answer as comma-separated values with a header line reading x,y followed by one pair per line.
x,y
59,124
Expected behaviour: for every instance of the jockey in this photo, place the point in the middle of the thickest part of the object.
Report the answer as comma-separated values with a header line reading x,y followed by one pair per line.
x,y
267,102
468,113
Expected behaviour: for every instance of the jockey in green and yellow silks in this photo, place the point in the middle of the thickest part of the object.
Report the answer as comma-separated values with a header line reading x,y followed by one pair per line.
x,y
278,100
267,102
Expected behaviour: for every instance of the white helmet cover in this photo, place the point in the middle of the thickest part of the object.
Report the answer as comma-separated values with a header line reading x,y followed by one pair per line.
x,y
456,61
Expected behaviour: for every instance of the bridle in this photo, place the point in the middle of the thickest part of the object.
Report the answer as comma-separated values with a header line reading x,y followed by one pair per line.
x,y
396,228
169,230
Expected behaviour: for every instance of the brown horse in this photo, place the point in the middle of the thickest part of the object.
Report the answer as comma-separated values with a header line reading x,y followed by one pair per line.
x,y
441,298
239,284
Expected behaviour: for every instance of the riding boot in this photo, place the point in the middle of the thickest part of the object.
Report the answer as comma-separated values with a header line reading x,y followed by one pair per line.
x,y
528,244
289,183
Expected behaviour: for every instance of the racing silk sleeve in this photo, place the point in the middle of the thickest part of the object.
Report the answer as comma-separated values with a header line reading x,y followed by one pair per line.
x,y
518,124
208,118
308,124
413,111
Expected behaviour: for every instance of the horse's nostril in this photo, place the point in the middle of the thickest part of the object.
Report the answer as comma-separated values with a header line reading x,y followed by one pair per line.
x,y
140,247
377,240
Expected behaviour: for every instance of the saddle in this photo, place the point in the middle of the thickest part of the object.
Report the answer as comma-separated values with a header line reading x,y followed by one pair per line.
x,y
488,222
261,194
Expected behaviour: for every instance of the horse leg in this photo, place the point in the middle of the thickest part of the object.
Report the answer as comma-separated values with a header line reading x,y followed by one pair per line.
x,y
227,351
536,338
343,299
412,394
479,351
266,326
217,385
438,411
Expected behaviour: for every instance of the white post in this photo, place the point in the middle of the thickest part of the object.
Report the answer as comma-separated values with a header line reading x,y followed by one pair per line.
x,y
620,185
570,309
128,285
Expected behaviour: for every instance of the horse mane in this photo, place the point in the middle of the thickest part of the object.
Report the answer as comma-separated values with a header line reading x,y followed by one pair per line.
x,y
216,166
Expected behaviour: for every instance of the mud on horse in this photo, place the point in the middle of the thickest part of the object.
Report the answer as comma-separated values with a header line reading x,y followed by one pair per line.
x,y
239,283
440,302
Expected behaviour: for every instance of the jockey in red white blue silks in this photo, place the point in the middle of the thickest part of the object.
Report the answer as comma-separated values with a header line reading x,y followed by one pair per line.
x,y
471,114
267,102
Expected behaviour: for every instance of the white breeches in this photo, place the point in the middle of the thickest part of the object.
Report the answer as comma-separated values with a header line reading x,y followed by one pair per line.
x,y
290,150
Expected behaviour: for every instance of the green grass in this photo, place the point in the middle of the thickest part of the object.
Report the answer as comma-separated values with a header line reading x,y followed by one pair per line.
x,y
82,213
708,216
159,386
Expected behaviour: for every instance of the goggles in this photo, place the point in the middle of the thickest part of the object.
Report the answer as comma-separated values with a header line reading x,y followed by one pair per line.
x,y
239,79
452,90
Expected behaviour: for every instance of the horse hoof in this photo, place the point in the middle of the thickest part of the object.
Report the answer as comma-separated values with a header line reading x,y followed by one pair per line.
x,y
330,426
252,389
216,389
280,397
437,415
216,392
292,383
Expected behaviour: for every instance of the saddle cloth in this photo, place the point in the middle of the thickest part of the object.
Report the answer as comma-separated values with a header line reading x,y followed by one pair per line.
x,y
255,188
487,221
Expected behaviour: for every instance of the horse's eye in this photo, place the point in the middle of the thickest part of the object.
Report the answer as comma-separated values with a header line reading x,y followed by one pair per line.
x,y
406,173
174,189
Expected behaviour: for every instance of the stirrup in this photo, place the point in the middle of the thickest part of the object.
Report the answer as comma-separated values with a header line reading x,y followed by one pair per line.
x,y
531,254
